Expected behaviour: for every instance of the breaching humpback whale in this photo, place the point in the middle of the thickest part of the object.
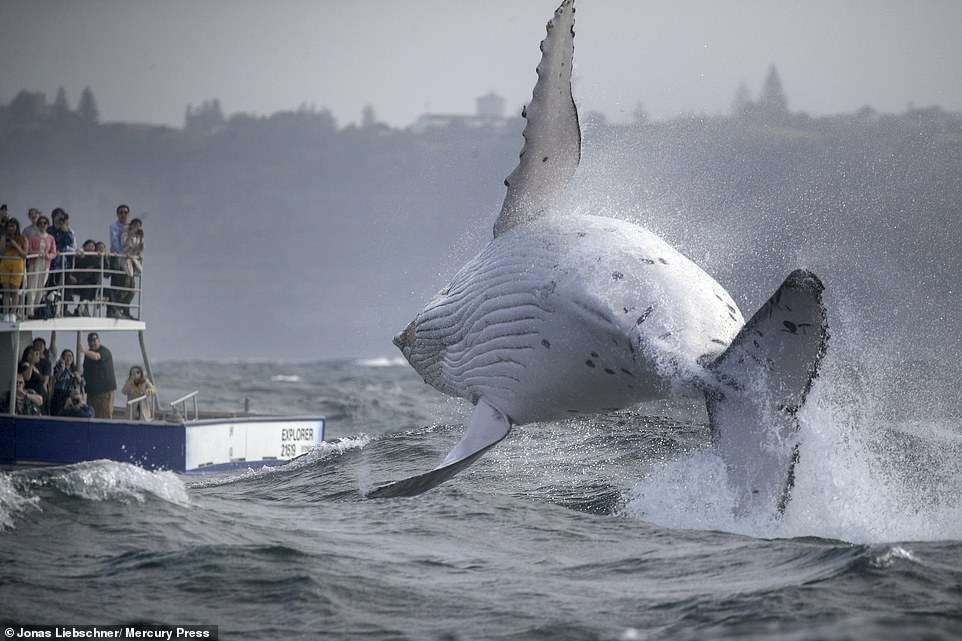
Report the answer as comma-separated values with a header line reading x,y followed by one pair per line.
x,y
564,314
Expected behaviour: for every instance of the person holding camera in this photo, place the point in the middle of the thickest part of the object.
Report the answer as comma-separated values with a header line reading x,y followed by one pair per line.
x,y
136,386
76,408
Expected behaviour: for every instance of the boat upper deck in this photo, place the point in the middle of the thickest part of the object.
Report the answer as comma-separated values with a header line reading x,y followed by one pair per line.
x,y
82,292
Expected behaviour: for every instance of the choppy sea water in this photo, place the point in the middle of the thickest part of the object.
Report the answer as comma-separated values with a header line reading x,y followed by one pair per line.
x,y
618,527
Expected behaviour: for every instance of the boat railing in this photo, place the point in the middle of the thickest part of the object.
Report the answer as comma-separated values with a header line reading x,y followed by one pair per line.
x,y
131,403
180,405
80,284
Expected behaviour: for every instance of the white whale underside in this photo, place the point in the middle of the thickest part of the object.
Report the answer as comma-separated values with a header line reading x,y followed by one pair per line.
x,y
574,314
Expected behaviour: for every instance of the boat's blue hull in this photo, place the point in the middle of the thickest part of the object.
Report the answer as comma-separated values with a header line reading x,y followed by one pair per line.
x,y
196,446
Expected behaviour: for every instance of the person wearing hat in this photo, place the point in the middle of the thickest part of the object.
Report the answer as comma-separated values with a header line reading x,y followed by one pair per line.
x,y
98,370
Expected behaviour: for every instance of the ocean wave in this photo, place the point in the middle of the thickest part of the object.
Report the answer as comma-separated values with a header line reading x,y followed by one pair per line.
x,y
383,361
321,451
285,378
112,481
12,501
99,481
889,556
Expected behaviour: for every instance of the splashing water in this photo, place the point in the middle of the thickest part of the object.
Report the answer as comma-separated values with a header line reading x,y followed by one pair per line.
x,y
861,477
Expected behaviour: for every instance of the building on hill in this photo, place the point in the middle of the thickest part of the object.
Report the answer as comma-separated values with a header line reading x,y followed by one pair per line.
x,y
489,113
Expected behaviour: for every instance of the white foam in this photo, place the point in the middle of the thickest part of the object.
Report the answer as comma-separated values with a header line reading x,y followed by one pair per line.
x,y
286,378
890,556
689,493
852,482
383,361
334,447
113,481
12,501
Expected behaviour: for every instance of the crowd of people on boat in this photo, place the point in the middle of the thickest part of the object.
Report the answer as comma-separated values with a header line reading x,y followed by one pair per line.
x,y
63,389
42,270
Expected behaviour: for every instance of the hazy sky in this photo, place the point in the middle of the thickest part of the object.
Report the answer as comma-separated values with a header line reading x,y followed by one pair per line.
x,y
146,61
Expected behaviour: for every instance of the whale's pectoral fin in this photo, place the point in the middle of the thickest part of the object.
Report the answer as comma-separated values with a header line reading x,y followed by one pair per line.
x,y
487,427
761,381
552,135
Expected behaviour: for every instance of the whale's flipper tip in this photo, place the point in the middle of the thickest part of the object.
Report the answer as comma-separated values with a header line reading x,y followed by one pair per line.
x,y
552,135
487,427
414,485
761,381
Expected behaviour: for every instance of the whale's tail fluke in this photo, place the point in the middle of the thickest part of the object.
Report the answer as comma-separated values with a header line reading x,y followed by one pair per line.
x,y
760,383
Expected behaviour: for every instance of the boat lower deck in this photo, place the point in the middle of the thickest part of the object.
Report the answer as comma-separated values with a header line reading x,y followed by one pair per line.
x,y
183,446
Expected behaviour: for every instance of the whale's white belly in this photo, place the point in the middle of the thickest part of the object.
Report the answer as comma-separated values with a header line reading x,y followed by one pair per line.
x,y
584,316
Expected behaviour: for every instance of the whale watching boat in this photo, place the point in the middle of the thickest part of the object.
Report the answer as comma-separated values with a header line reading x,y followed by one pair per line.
x,y
179,437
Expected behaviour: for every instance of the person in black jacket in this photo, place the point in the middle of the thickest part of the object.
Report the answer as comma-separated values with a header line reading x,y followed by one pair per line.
x,y
99,373
76,408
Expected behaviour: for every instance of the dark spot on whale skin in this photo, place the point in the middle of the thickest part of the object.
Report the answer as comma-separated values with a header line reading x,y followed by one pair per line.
x,y
719,341
617,275
545,159
662,261
648,261
793,328
730,308
589,363
644,315
609,371
546,343
627,372
582,234
574,412
595,355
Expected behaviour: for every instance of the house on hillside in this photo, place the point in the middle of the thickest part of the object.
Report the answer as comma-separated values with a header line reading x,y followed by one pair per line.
x,y
489,112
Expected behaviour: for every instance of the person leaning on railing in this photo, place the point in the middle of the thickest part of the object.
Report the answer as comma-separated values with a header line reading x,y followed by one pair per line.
x,y
86,277
28,401
43,249
13,252
66,246
138,388
120,282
